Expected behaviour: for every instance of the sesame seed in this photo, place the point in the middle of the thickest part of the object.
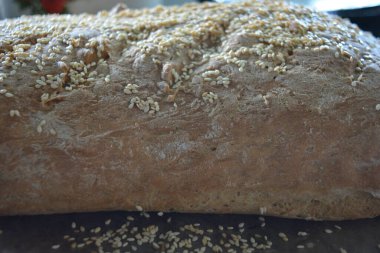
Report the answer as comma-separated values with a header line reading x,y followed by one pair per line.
x,y
263,210
55,246
301,233
9,95
160,213
45,97
283,236
209,97
155,245
328,231
377,107
107,222
139,208
300,246
342,250
131,88
13,113
73,225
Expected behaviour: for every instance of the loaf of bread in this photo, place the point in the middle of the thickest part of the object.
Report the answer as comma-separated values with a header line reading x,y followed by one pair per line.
x,y
254,107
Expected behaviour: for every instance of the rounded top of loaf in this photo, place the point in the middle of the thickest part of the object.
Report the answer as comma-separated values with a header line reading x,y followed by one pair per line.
x,y
157,54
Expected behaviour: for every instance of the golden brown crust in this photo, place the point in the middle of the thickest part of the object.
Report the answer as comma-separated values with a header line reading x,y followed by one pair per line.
x,y
246,108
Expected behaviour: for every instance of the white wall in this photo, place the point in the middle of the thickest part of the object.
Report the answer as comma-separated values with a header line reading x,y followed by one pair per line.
x,y
10,9
93,6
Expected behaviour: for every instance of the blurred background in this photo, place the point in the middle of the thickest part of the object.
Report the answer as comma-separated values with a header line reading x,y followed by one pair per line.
x,y
366,13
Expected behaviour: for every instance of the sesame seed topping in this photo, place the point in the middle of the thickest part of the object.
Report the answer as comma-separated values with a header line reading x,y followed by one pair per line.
x,y
131,88
263,210
179,42
45,97
328,231
13,113
377,107
209,97
9,95
39,128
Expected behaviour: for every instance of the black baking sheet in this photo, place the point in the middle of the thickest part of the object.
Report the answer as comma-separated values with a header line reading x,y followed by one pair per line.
x,y
37,234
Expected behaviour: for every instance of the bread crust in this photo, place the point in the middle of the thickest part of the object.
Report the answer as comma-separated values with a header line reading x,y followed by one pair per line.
x,y
300,140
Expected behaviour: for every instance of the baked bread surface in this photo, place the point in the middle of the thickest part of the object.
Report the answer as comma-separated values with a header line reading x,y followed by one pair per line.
x,y
254,107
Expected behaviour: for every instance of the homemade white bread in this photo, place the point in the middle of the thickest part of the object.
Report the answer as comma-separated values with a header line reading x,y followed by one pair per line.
x,y
254,107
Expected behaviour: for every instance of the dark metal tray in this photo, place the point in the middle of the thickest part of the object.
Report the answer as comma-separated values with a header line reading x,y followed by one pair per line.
x,y
37,234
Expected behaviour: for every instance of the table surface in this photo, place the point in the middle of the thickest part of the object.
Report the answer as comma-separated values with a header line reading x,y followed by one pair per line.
x,y
37,234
